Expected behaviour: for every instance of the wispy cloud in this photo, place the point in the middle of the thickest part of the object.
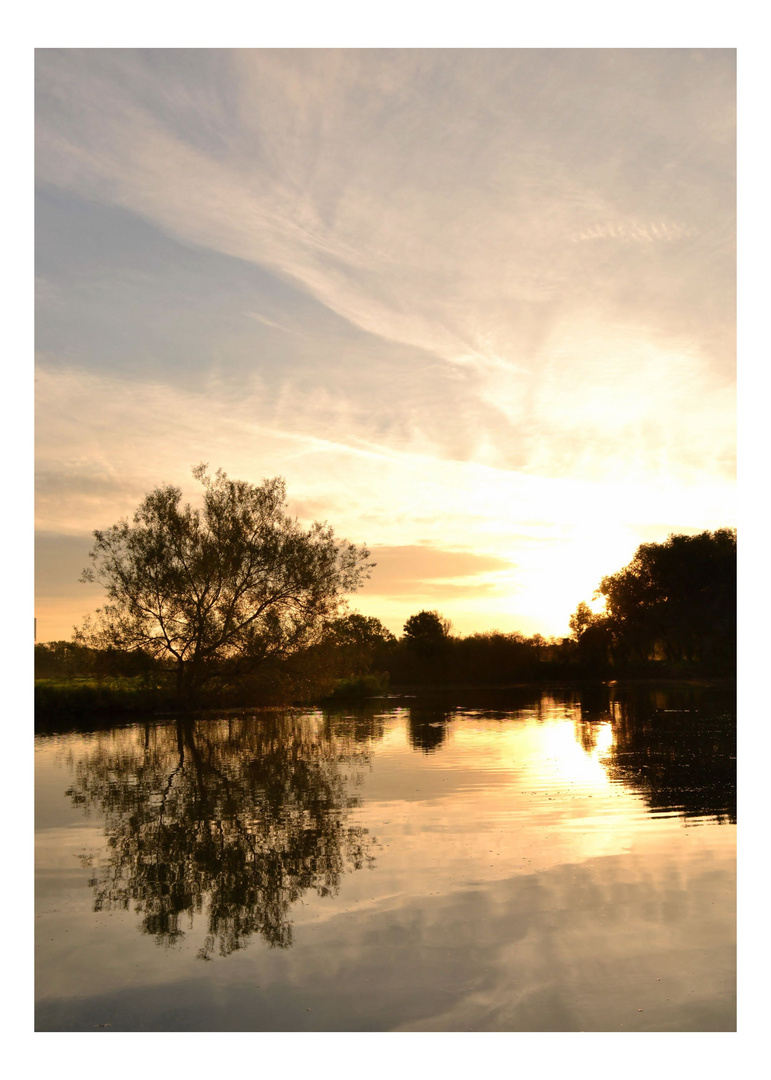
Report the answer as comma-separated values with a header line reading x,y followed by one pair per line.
x,y
266,321
546,539
451,295
634,232
414,194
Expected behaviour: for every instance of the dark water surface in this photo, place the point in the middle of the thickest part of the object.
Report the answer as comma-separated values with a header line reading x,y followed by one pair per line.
x,y
533,861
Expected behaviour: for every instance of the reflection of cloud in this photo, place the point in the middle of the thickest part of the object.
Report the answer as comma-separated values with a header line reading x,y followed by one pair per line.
x,y
573,948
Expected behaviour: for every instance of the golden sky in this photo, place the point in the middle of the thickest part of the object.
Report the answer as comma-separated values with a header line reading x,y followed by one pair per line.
x,y
477,306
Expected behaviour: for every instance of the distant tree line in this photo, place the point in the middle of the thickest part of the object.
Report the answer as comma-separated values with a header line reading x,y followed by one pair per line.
x,y
236,603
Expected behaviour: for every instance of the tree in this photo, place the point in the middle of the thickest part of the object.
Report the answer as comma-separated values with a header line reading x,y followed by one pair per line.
x,y
582,618
361,631
426,626
425,649
357,643
219,589
676,599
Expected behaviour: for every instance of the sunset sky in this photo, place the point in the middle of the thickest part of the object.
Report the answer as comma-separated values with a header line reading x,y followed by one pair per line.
x,y
476,306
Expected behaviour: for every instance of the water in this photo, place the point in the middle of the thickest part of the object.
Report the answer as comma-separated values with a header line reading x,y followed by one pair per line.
x,y
559,861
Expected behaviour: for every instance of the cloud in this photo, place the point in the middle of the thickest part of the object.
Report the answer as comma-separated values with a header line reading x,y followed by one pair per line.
x,y
411,570
266,321
102,443
472,301
60,558
429,197
631,232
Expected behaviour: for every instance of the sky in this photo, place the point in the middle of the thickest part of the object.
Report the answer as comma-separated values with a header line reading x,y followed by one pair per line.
x,y
476,306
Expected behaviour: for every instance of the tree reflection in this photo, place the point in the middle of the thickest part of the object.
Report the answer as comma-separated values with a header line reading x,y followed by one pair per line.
x,y
427,728
231,819
676,747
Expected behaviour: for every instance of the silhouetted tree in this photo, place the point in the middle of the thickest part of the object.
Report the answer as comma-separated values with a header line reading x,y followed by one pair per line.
x,y
360,642
675,601
492,658
581,619
220,588
360,630
63,660
426,626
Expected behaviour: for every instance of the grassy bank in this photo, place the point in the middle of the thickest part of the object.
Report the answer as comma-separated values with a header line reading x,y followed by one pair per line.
x,y
60,703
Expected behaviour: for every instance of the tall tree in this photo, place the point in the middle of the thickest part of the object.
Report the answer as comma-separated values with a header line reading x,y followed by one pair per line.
x,y
677,599
222,587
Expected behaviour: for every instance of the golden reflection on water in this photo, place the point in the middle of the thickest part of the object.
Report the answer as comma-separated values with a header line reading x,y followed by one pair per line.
x,y
527,869
501,799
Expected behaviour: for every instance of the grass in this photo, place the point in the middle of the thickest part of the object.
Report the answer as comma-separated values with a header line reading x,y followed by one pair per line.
x,y
61,702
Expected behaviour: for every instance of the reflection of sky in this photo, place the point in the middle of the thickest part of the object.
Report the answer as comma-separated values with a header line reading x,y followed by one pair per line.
x,y
472,302
496,800
514,888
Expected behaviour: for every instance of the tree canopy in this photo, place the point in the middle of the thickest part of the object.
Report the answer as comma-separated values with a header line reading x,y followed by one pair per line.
x,y
222,587
675,600
426,626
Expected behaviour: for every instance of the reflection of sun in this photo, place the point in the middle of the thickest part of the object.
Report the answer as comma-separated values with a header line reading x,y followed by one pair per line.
x,y
570,761
604,742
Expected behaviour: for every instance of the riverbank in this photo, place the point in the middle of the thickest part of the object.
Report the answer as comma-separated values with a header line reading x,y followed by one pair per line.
x,y
72,704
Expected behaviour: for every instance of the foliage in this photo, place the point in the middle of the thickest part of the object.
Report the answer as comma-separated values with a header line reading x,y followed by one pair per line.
x,y
216,591
582,618
63,660
68,703
359,688
672,609
360,631
72,660
427,626
675,601
356,646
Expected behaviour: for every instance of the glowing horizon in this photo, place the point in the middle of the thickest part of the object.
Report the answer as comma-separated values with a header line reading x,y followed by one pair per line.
x,y
476,306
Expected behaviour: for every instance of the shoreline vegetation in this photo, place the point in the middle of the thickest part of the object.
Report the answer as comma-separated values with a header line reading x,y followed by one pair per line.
x,y
83,706
72,687
235,605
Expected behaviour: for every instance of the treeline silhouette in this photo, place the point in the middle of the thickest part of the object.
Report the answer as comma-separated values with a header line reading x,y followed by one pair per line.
x,y
671,612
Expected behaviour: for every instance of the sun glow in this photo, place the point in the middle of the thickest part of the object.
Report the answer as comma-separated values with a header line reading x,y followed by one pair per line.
x,y
513,355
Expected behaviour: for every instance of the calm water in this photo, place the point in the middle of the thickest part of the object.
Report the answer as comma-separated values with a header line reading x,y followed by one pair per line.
x,y
540,862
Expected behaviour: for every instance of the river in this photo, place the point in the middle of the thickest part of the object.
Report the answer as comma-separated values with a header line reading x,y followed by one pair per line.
x,y
528,860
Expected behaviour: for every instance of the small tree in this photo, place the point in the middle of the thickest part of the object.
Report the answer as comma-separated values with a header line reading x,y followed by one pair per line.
x,y
581,619
425,647
427,626
222,588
